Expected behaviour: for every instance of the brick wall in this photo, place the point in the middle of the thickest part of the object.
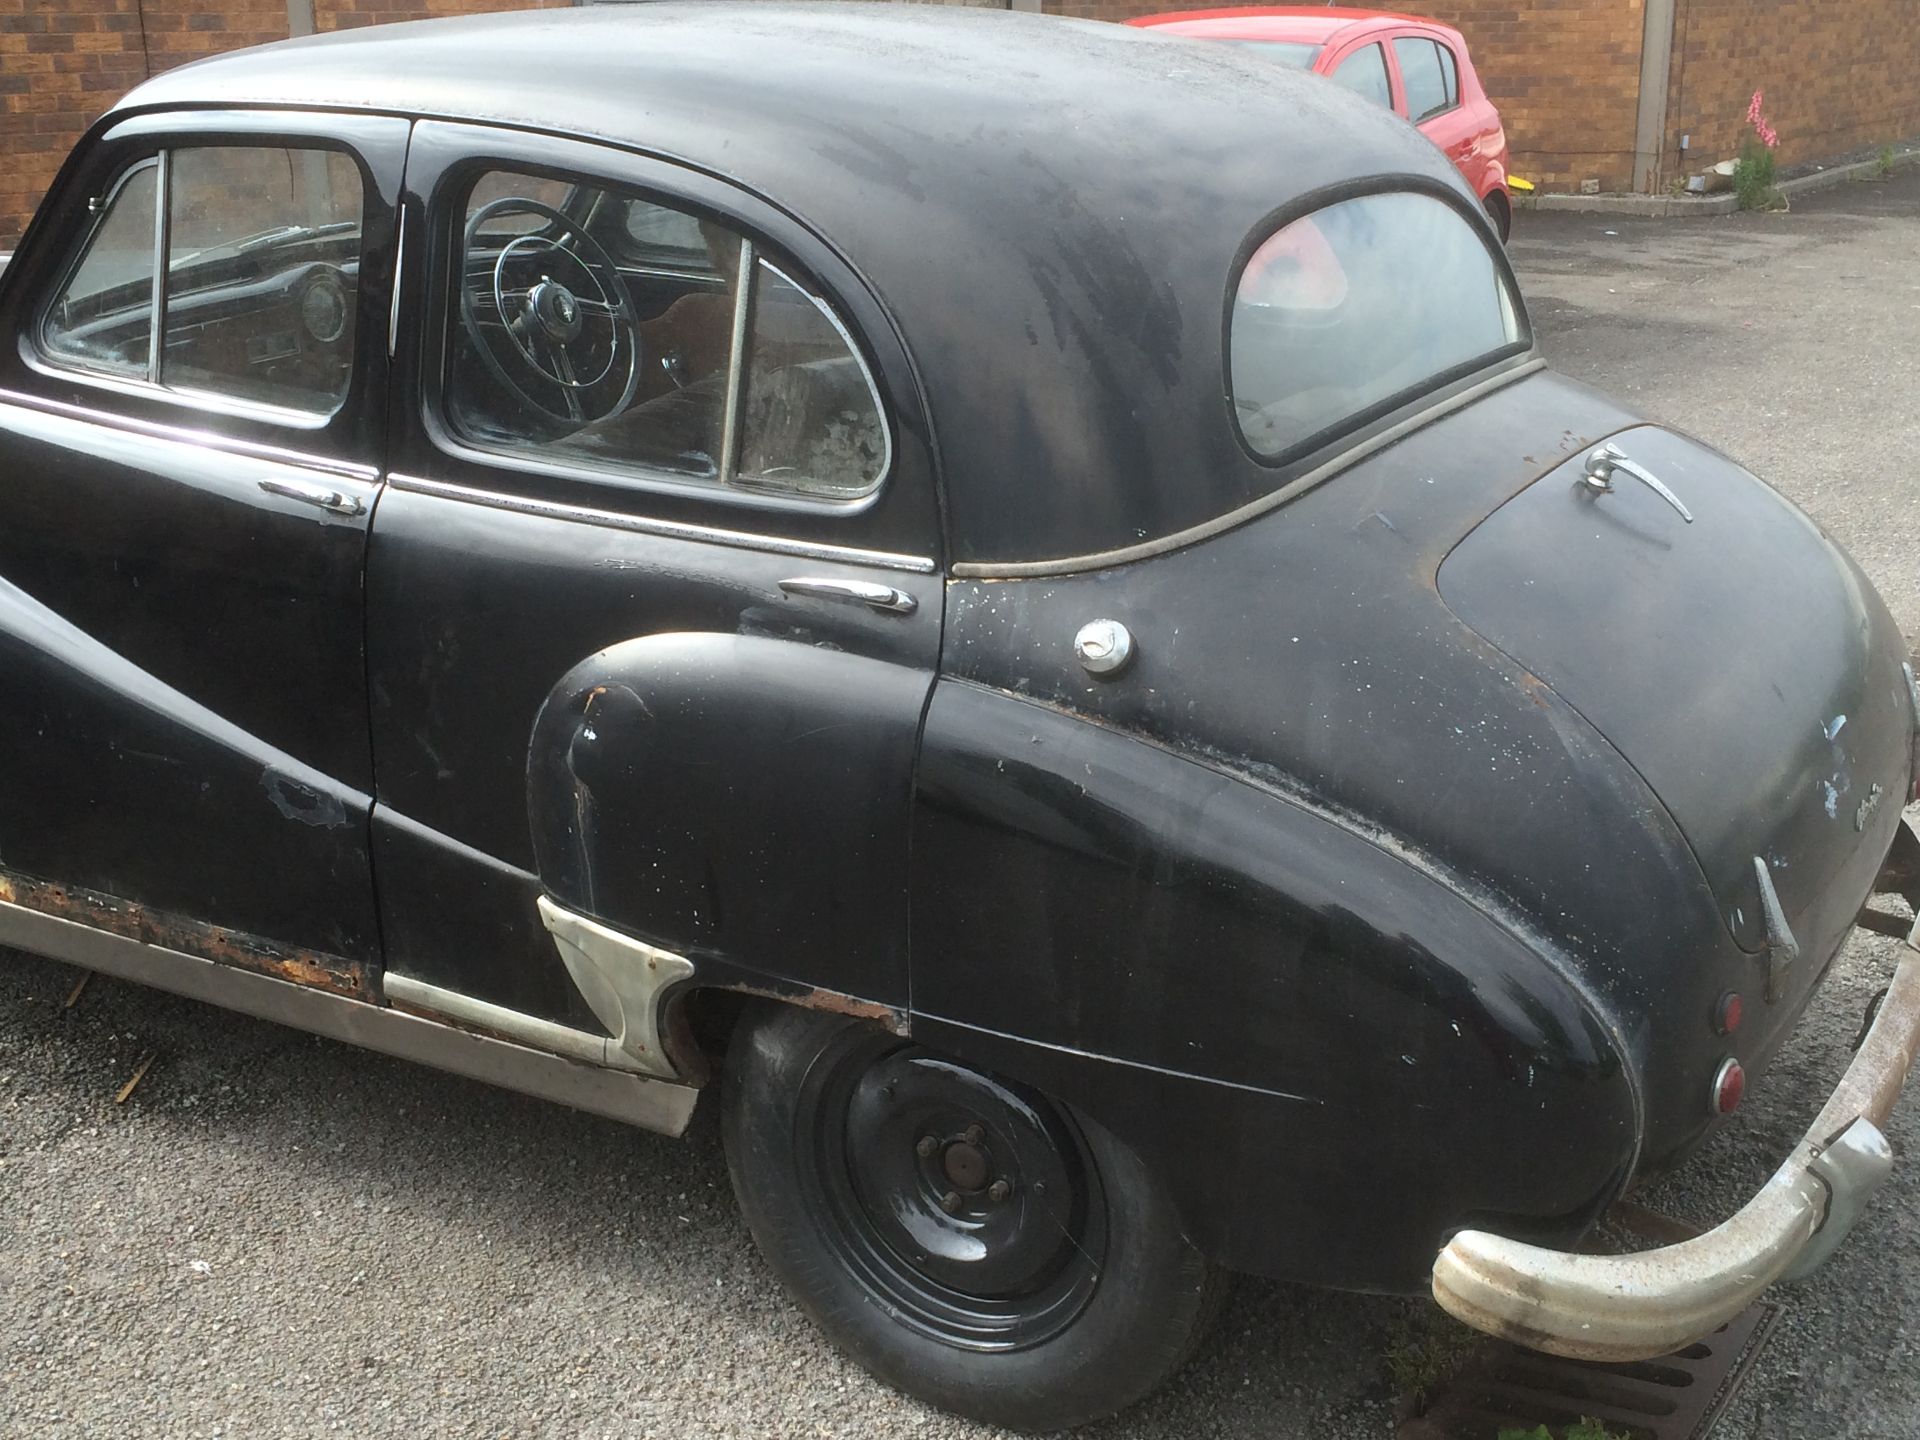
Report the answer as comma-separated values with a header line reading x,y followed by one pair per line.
x,y
63,62
1838,76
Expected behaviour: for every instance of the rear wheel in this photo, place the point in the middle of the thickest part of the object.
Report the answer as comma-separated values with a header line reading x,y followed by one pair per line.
x,y
962,1238
1500,212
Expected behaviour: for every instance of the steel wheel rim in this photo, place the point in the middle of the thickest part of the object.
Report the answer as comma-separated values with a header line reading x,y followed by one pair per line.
x,y
998,1272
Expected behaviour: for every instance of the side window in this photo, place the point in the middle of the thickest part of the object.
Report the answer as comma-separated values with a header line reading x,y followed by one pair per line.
x,y
1365,73
1423,79
1449,73
102,319
256,299
263,252
597,327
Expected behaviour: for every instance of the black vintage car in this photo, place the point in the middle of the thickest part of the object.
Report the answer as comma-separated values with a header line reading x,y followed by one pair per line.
x,y
1013,596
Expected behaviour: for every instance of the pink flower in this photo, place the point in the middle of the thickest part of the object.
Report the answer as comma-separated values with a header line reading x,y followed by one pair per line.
x,y
1769,137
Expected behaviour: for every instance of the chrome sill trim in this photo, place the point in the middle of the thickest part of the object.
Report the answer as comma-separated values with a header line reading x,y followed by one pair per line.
x,y
184,435
1233,519
516,1025
617,1094
668,529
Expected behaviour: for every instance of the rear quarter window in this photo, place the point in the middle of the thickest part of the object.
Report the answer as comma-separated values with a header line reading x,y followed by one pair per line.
x,y
1358,307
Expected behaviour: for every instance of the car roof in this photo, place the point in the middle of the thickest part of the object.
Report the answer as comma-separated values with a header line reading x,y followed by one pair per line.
x,y
1051,209
1303,24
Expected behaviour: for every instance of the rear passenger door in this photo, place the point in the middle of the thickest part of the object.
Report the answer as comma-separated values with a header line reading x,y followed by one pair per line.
x,y
655,591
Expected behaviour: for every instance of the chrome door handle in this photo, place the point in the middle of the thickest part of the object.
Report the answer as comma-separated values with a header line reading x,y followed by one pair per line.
x,y
861,592
1603,461
334,502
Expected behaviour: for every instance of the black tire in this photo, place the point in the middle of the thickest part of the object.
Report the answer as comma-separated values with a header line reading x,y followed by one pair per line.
x,y
1500,212
1090,1297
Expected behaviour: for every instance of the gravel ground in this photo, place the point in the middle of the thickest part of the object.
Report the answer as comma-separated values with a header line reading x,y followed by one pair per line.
x,y
280,1236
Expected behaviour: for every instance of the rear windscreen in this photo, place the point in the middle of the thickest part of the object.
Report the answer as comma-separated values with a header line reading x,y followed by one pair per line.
x,y
1356,308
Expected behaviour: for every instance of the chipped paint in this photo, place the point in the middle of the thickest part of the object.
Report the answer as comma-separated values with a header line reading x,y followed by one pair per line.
x,y
303,803
311,968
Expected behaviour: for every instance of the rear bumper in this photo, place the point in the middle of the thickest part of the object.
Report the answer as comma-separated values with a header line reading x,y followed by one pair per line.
x,y
1639,1306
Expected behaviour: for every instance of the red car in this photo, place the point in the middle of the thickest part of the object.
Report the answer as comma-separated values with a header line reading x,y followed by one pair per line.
x,y
1415,67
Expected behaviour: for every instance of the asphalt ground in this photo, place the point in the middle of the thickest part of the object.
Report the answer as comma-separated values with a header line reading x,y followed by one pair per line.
x,y
280,1236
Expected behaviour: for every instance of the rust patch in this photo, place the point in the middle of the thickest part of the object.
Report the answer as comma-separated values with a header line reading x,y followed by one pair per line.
x,y
835,1002
311,968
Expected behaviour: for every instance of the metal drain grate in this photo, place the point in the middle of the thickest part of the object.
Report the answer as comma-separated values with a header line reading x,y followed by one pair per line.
x,y
1675,1398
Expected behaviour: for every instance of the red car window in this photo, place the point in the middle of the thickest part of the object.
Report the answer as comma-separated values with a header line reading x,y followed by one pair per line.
x,y
1365,73
1424,79
1450,72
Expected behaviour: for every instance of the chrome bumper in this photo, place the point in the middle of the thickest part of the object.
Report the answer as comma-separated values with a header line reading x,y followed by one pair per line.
x,y
1644,1305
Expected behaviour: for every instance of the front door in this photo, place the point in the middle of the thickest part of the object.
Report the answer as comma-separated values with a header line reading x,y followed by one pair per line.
x,y
654,598
192,406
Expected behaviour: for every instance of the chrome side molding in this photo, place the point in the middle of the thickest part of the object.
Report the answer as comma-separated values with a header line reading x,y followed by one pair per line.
x,y
619,1094
622,981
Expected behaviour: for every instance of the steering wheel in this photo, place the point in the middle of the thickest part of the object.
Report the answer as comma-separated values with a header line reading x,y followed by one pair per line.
x,y
549,316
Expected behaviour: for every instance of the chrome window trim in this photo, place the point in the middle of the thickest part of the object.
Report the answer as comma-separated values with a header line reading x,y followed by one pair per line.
x,y
399,269
1515,368
162,246
99,206
666,529
744,290
182,396
208,439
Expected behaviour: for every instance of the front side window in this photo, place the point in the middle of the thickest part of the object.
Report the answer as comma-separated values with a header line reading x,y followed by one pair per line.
x,y
255,299
102,318
1365,73
1423,78
602,328
1356,307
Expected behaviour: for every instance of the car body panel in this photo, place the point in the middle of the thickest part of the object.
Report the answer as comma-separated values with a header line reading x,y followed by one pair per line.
x,y
1613,616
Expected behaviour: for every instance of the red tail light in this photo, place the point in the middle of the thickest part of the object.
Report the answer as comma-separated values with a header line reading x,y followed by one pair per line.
x,y
1728,1013
1728,1086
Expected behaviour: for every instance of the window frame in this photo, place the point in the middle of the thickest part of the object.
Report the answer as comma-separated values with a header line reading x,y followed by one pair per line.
x,y
1324,445
1389,70
138,142
446,207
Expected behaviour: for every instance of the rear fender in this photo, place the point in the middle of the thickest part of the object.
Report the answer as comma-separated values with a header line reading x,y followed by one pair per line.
x,y
739,801
1333,1052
